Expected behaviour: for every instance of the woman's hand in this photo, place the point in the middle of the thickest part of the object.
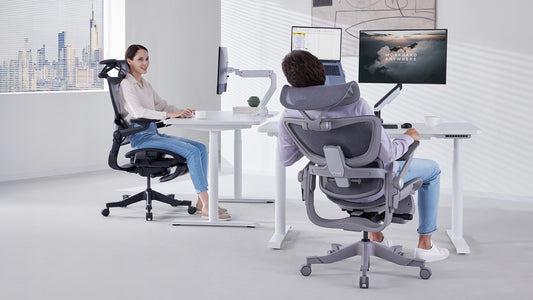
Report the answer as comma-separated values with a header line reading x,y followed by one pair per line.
x,y
186,113
413,133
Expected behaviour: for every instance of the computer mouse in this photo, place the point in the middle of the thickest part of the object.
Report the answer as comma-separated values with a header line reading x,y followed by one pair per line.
x,y
407,125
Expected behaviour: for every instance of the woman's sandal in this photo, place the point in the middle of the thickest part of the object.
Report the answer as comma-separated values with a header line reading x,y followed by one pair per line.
x,y
199,208
222,216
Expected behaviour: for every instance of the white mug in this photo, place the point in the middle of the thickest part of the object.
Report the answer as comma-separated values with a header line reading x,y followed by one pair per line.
x,y
432,121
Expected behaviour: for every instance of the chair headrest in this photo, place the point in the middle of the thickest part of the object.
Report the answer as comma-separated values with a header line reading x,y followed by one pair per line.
x,y
110,64
321,97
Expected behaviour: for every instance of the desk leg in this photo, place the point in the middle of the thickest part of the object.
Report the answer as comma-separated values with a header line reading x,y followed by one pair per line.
x,y
213,192
237,164
456,233
213,176
237,174
280,227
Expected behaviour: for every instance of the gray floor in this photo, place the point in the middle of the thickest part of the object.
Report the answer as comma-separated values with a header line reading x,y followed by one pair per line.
x,y
56,245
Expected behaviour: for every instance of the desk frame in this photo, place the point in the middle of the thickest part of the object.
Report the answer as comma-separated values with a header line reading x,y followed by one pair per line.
x,y
216,122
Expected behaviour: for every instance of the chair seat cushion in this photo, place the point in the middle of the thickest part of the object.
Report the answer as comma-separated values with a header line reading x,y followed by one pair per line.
x,y
157,162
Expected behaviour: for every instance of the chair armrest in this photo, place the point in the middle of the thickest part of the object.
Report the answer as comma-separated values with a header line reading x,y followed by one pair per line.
x,y
407,157
119,134
158,123
410,151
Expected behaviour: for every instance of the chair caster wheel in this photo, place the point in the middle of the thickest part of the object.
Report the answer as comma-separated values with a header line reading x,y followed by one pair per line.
x,y
105,212
149,216
305,270
363,282
191,210
425,273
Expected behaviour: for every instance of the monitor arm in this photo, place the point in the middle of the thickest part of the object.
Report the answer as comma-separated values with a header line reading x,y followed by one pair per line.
x,y
257,74
393,93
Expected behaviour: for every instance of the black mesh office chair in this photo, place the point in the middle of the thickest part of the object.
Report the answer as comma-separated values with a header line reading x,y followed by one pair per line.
x,y
148,162
343,153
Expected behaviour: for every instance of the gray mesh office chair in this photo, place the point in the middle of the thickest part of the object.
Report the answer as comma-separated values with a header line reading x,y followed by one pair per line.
x,y
147,162
343,153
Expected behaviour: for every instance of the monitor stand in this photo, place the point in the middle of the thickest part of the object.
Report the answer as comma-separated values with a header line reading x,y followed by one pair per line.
x,y
393,93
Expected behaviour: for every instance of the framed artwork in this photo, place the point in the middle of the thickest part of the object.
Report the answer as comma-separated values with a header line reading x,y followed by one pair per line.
x,y
354,15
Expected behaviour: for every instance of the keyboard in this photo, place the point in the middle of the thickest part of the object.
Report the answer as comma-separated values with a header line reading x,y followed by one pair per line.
x,y
332,70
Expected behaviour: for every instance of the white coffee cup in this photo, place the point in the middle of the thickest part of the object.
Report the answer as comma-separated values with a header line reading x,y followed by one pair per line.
x,y
200,114
432,121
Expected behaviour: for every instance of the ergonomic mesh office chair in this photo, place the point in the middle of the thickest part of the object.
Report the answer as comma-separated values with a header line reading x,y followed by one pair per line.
x,y
343,153
147,162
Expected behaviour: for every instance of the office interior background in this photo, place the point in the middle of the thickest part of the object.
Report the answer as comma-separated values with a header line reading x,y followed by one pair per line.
x,y
489,84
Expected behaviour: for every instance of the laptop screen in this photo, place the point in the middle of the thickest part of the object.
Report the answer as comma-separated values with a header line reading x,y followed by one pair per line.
x,y
322,42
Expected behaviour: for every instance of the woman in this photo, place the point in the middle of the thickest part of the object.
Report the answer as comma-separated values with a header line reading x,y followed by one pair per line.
x,y
303,69
139,100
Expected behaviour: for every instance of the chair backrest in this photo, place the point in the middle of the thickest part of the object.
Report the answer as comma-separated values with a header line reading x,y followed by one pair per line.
x,y
114,86
344,151
120,124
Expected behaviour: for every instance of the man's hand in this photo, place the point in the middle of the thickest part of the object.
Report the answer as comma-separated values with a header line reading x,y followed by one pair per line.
x,y
413,133
181,113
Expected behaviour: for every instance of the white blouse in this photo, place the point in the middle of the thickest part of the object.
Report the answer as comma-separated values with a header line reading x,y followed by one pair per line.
x,y
140,100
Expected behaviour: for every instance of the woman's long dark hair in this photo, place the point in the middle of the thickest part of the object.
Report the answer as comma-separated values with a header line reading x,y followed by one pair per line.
x,y
132,50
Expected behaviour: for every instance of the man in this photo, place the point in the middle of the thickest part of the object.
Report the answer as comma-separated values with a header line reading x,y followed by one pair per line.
x,y
302,69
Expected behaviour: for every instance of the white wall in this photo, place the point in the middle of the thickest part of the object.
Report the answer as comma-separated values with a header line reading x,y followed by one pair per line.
x,y
46,134
182,38
489,84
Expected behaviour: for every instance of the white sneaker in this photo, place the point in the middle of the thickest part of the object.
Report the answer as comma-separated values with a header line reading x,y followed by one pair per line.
x,y
433,254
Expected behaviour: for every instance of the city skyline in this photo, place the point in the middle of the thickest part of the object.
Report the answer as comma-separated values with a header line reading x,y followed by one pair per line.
x,y
57,65
41,21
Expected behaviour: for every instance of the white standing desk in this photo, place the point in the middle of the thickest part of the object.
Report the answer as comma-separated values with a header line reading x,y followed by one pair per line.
x,y
280,227
455,131
215,122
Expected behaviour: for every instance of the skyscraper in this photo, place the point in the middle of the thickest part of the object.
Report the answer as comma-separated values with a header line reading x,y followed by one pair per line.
x,y
60,44
93,38
61,54
41,57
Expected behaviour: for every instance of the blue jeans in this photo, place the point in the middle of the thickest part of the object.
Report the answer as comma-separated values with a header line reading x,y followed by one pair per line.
x,y
194,152
428,194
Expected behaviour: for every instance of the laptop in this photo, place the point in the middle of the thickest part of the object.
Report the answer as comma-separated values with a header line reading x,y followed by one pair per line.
x,y
324,43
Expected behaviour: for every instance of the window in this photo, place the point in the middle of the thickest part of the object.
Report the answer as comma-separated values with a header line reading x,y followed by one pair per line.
x,y
50,45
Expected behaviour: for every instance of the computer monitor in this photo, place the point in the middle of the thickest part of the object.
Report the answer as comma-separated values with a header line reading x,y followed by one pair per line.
x,y
222,75
322,42
403,56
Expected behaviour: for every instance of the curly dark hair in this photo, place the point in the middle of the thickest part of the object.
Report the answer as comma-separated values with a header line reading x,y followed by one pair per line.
x,y
303,69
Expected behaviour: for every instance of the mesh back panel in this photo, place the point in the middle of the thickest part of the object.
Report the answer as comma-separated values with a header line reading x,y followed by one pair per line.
x,y
355,140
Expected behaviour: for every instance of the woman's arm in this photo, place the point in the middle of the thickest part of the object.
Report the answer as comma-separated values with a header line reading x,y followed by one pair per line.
x,y
172,111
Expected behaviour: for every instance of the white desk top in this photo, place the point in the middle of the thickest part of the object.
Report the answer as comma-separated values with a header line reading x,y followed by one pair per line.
x,y
443,130
219,120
